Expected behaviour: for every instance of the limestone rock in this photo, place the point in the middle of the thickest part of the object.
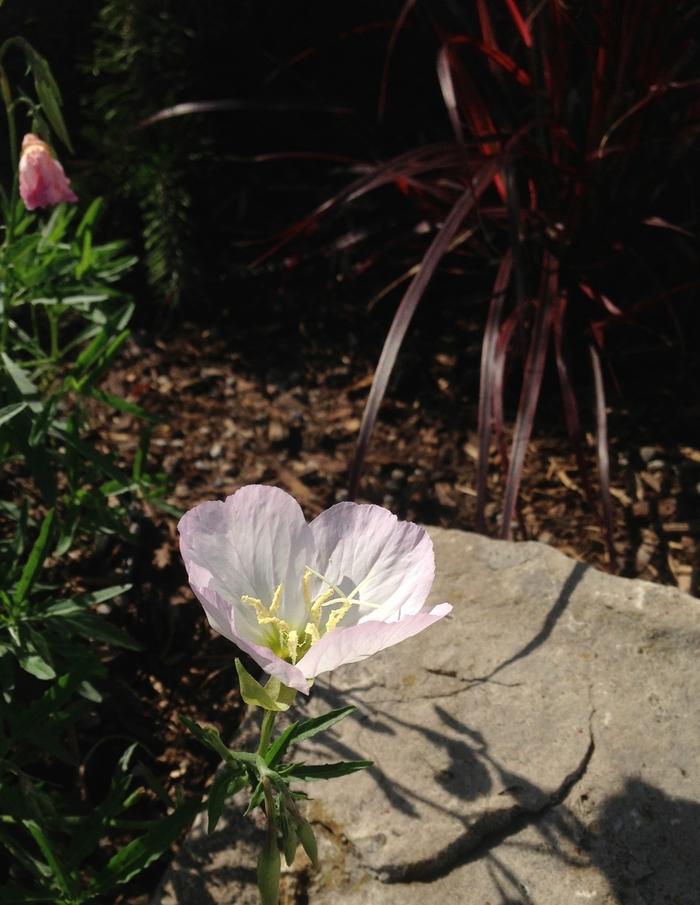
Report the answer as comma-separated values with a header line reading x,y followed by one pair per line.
x,y
538,746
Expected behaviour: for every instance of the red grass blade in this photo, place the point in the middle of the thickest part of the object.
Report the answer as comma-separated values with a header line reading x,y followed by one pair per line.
x,y
407,307
520,23
603,453
530,392
393,38
487,31
494,55
487,382
442,155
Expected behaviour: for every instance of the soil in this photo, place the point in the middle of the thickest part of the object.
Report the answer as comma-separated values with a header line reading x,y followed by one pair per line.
x,y
274,403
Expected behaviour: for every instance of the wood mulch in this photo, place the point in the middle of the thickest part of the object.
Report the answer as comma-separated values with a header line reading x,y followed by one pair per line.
x,y
276,404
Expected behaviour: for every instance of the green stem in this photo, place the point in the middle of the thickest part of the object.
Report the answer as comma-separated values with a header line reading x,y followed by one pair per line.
x,y
268,721
14,154
53,328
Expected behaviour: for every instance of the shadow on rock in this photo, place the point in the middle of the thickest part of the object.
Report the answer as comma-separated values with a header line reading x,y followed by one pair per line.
x,y
648,845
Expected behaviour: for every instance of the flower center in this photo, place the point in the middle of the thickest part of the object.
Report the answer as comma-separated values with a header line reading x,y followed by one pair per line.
x,y
291,643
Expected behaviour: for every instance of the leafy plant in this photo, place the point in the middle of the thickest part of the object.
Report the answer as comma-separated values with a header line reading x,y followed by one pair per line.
x,y
63,321
565,180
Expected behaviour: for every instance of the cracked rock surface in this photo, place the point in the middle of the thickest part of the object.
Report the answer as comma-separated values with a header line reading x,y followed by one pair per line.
x,y
541,745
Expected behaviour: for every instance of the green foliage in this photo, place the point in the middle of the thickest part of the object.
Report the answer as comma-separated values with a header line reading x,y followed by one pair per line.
x,y
139,65
270,782
63,321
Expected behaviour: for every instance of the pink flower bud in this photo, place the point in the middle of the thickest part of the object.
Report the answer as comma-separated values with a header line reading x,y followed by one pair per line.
x,y
42,182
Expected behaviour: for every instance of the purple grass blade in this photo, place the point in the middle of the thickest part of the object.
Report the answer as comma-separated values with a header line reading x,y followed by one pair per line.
x,y
442,155
188,108
449,96
571,410
603,453
486,382
500,359
407,307
530,392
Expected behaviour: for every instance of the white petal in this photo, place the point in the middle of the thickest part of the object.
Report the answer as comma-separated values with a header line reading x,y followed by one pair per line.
x,y
249,545
223,619
366,545
348,645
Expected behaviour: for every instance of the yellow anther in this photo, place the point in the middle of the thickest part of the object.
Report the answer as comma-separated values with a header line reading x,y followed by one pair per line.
x,y
276,599
306,588
292,638
311,631
315,611
260,610
337,615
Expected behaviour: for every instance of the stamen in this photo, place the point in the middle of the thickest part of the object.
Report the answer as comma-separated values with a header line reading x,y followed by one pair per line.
x,y
351,602
306,588
261,611
326,581
312,632
337,615
320,601
292,644
276,599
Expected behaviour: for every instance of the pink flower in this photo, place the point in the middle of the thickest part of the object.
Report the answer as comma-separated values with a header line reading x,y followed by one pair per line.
x,y
302,599
42,182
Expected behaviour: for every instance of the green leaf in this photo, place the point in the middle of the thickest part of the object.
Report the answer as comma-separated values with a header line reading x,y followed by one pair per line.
x,y
253,692
137,855
325,771
276,750
36,558
21,380
211,738
226,784
48,93
59,875
121,405
78,605
103,463
8,412
36,666
312,727
99,629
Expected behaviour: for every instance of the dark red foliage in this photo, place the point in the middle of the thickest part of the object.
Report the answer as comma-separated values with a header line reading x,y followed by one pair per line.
x,y
565,187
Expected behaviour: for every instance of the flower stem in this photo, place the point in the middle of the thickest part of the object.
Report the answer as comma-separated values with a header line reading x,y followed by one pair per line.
x,y
266,730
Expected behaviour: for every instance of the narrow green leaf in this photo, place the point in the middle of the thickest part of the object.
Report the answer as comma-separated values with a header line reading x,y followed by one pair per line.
x,y
57,871
48,93
277,749
103,463
99,629
36,558
226,784
326,771
137,855
8,412
21,380
253,692
312,727
211,738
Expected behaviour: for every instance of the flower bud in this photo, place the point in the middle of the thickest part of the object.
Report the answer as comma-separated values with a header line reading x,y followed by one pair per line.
x,y
42,182
291,841
269,868
308,840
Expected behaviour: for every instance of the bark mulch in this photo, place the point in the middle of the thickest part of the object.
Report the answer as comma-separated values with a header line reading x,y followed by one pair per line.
x,y
275,404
